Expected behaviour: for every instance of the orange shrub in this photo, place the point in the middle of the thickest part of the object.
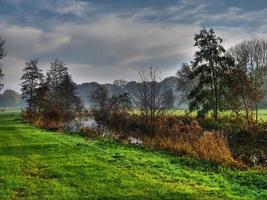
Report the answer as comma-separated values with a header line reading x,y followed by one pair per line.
x,y
187,137
214,146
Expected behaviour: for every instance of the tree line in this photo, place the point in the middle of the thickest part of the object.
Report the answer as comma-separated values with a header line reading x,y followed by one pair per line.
x,y
215,80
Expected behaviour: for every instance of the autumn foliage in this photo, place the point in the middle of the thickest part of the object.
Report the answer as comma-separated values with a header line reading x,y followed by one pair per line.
x,y
188,137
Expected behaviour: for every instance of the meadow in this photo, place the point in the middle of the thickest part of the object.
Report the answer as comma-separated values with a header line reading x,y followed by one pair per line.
x,y
180,112
40,164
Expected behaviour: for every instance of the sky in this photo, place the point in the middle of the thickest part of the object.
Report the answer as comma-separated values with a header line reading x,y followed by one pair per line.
x,y
105,40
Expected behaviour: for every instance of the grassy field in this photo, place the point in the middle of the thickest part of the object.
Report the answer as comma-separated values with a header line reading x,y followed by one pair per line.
x,y
37,164
180,112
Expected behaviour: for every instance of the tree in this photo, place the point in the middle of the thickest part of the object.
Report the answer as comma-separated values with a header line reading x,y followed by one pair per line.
x,y
100,104
251,65
2,55
208,69
54,78
100,98
150,98
42,102
31,79
9,99
70,101
107,110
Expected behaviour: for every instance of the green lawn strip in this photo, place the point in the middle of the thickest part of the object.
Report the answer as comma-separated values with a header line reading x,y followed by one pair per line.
x,y
38,164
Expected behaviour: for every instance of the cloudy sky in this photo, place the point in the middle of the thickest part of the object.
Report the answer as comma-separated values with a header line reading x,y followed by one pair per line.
x,y
103,40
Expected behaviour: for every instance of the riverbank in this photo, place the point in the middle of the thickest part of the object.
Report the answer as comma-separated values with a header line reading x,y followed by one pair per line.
x,y
39,164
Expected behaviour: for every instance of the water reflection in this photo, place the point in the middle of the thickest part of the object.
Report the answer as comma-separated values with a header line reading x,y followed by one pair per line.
x,y
77,124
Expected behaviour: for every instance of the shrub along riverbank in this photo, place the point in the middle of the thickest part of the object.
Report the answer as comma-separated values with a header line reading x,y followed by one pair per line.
x,y
225,141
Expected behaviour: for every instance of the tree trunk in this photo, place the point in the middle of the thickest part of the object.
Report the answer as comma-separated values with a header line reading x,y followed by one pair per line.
x,y
215,92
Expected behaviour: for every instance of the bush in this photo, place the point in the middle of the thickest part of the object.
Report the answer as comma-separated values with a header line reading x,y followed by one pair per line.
x,y
48,119
249,144
182,134
188,137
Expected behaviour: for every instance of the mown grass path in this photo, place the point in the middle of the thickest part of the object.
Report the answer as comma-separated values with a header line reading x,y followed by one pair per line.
x,y
37,164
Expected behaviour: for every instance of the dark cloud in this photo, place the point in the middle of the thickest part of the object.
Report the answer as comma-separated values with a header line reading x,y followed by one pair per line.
x,y
101,43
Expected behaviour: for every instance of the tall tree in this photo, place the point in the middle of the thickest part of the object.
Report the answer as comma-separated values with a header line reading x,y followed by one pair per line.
x,y
70,102
208,68
2,55
31,79
54,78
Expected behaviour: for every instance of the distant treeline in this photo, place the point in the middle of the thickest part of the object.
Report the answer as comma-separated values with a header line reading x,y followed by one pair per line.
x,y
11,99
85,90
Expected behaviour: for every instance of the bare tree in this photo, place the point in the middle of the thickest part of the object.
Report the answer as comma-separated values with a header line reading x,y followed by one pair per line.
x,y
250,63
150,98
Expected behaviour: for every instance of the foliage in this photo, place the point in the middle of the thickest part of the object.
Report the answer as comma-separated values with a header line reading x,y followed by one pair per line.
x,y
187,137
70,103
31,79
109,111
249,144
208,67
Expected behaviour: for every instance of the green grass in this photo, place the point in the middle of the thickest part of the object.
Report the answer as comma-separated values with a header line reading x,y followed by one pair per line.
x,y
181,112
37,164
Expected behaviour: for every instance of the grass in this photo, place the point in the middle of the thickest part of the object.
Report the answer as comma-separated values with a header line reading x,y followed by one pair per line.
x,y
181,112
38,164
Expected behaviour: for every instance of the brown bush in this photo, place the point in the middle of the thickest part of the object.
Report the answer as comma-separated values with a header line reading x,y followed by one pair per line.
x,y
214,146
49,119
187,137
175,134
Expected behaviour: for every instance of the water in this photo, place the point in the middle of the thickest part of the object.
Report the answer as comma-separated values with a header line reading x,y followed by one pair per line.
x,y
76,125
